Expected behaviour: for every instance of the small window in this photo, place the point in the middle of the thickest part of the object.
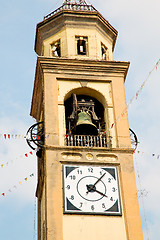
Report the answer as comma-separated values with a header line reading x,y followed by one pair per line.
x,y
104,52
56,49
82,45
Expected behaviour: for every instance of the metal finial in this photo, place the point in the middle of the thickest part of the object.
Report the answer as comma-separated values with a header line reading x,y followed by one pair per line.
x,y
81,2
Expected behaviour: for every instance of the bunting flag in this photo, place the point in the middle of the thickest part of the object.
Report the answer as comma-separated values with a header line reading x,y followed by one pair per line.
x,y
154,155
15,186
134,97
11,161
157,64
19,136
12,136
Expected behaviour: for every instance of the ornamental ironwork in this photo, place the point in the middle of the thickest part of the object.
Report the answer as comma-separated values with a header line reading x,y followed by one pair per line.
x,y
78,5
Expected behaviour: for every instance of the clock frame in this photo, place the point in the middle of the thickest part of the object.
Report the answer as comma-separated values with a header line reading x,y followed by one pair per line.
x,y
89,189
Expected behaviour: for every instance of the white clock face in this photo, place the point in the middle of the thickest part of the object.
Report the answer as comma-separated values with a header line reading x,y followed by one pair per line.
x,y
91,190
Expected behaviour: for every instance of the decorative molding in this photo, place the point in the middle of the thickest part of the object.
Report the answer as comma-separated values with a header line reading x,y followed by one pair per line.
x,y
83,83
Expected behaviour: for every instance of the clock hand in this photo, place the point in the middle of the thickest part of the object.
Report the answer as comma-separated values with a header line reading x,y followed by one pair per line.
x,y
95,190
101,193
90,188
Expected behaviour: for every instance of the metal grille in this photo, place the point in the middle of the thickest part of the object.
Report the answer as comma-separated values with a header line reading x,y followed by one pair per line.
x,y
72,6
88,141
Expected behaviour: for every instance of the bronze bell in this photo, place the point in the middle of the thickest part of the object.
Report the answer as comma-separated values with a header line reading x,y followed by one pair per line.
x,y
84,125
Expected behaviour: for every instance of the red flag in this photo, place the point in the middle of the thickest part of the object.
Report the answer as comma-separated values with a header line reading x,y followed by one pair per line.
x,y
5,136
31,153
9,136
26,155
137,93
112,125
3,194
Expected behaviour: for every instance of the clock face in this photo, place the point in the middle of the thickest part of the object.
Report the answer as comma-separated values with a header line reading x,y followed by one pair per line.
x,y
91,190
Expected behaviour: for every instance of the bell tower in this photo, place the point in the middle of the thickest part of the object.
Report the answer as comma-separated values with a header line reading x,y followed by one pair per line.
x,y
86,181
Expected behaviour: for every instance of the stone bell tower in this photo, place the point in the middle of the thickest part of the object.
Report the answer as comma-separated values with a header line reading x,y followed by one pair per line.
x,y
86,181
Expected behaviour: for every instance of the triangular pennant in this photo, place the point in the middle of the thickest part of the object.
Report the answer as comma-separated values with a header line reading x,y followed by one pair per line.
x,y
3,194
5,136
31,153
25,179
9,136
137,93
112,125
26,155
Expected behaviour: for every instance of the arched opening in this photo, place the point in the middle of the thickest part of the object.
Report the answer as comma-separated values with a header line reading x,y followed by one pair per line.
x,y
84,115
85,120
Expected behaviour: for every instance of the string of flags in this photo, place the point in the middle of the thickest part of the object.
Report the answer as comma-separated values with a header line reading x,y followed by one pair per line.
x,y
14,187
19,136
26,155
155,155
12,136
135,96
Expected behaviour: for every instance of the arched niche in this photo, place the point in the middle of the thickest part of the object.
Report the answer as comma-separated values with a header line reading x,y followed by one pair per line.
x,y
97,111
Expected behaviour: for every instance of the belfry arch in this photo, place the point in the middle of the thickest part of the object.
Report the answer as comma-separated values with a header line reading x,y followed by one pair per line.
x,y
86,118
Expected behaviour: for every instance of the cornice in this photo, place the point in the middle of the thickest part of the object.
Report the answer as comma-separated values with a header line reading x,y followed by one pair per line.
x,y
75,149
88,67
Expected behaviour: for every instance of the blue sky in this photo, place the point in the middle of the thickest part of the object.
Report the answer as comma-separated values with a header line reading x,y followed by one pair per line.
x,y
137,22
